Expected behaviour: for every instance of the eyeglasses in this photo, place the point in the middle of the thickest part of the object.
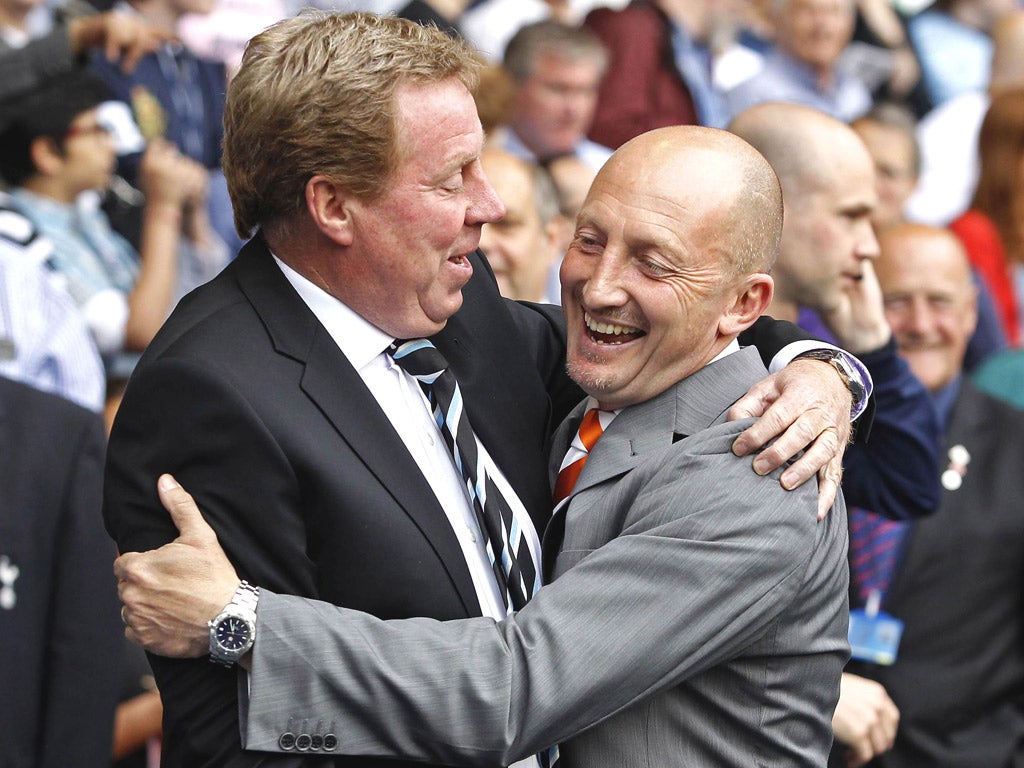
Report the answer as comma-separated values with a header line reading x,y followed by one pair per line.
x,y
87,130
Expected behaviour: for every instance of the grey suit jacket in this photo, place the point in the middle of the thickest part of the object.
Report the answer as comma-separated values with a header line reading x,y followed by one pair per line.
x,y
697,617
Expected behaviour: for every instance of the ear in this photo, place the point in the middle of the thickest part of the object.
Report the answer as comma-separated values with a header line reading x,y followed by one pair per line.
x,y
330,206
46,155
753,295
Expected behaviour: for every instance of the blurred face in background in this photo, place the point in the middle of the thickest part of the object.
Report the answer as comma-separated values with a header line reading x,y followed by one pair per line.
x,y
930,300
521,247
555,104
827,233
893,152
815,32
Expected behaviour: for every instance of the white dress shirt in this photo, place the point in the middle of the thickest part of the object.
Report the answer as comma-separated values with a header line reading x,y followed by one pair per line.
x,y
407,408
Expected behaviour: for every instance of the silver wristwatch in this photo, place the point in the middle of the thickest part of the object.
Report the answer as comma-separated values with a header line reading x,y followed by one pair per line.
x,y
233,630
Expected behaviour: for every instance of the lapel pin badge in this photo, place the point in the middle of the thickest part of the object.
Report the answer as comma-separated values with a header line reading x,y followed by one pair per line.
x,y
953,477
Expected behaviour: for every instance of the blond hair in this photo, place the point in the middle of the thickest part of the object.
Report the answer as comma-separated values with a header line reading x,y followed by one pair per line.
x,y
315,95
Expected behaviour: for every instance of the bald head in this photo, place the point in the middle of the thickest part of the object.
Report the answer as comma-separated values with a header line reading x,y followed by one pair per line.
x,y
713,171
828,183
930,299
668,262
802,144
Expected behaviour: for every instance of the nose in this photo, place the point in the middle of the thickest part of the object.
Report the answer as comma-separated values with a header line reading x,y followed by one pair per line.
x,y
866,244
485,206
918,319
604,287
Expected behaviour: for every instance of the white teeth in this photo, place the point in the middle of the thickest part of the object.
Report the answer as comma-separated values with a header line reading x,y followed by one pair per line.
x,y
607,328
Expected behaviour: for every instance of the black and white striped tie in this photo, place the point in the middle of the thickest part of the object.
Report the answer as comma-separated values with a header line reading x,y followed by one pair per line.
x,y
506,543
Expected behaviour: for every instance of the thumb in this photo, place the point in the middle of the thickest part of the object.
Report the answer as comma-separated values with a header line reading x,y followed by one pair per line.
x,y
183,510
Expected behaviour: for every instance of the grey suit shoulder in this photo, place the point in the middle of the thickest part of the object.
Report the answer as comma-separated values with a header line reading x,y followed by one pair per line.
x,y
698,618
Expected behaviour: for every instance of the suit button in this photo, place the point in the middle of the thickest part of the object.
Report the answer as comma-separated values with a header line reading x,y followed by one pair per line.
x,y
316,742
330,742
287,741
303,742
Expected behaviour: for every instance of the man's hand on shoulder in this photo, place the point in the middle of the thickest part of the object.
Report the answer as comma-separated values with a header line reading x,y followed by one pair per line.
x,y
170,593
807,406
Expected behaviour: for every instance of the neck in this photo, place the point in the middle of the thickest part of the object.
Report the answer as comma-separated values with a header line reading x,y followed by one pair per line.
x,y
782,309
159,13
53,188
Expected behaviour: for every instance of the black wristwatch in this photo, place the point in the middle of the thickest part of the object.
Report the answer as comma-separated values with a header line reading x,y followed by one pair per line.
x,y
233,630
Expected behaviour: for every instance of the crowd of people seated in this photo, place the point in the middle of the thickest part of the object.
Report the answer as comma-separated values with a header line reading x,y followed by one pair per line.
x,y
113,207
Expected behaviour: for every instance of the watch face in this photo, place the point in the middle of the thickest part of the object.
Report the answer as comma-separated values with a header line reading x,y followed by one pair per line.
x,y
233,633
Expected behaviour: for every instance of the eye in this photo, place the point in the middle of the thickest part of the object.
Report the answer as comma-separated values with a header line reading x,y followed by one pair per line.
x,y
896,304
453,183
653,267
586,242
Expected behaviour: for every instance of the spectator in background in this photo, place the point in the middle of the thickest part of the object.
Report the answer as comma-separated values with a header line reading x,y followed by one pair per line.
x,y
992,229
60,638
122,40
888,133
955,577
953,43
824,265
660,68
443,14
44,341
948,135
52,150
495,101
804,65
490,24
523,247
557,70
175,95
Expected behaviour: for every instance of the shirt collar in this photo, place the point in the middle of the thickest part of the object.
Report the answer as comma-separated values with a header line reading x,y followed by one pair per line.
x,y
360,340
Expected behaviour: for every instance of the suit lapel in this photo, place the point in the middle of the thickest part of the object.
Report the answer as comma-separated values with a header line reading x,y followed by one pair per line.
x,y
968,419
335,387
643,430
690,406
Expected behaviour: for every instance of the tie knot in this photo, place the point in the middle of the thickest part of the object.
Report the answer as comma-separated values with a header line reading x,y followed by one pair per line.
x,y
590,428
418,357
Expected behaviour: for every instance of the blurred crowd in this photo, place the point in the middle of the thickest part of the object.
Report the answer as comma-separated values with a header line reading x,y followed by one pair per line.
x,y
113,207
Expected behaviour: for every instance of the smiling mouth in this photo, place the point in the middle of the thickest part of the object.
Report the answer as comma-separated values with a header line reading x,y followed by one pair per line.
x,y
609,333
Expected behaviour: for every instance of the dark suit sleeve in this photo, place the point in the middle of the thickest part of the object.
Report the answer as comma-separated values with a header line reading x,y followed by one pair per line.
x,y
895,474
770,336
180,417
84,634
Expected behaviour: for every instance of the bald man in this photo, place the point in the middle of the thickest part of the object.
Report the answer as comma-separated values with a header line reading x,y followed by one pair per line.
x,y
957,583
697,613
525,244
824,279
